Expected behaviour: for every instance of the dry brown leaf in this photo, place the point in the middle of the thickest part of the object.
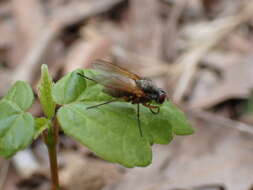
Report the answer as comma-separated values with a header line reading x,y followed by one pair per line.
x,y
5,9
218,30
170,31
83,52
80,173
236,82
239,44
7,33
26,15
144,28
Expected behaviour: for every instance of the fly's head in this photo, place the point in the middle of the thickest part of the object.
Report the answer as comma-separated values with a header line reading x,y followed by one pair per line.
x,y
161,96
154,93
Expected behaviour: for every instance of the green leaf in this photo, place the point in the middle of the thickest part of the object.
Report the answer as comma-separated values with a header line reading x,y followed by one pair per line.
x,y
176,117
16,127
111,131
69,88
40,125
21,94
45,92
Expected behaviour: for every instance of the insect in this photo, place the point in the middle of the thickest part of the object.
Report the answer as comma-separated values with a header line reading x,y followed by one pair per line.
x,y
123,84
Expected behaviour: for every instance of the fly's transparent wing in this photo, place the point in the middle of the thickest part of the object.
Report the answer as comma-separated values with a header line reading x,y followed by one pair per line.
x,y
115,78
118,82
107,67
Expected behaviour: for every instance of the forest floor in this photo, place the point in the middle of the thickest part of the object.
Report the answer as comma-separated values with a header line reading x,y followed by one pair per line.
x,y
199,51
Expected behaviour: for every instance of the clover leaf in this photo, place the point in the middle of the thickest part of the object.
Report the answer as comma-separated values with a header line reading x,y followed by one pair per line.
x,y
16,125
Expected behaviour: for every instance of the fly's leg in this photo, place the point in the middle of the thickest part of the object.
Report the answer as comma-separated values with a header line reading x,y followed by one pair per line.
x,y
80,74
138,118
151,108
95,106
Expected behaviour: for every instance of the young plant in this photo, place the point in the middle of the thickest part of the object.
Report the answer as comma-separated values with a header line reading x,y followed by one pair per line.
x,y
110,131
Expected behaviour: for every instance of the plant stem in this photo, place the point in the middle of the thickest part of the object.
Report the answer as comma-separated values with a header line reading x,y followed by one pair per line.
x,y
54,167
51,139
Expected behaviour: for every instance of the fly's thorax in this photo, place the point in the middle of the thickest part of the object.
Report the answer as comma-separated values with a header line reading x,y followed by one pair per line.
x,y
147,86
151,91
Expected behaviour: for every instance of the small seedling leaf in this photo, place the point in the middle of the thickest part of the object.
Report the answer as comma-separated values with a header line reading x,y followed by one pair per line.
x,y
69,88
16,128
21,94
45,92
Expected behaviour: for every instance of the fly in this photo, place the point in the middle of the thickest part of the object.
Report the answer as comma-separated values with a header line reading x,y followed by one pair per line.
x,y
120,83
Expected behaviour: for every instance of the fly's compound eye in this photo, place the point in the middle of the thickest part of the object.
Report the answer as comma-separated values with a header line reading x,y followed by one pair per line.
x,y
161,97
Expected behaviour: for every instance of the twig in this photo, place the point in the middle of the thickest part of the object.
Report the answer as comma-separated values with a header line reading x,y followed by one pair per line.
x,y
25,70
170,32
27,15
219,29
146,42
221,121
79,11
83,52
150,70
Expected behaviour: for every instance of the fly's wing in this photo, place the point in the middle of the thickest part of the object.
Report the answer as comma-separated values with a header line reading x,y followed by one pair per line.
x,y
107,67
116,82
115,78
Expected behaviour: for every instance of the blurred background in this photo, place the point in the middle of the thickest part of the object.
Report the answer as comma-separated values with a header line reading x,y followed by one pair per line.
x,y
199,51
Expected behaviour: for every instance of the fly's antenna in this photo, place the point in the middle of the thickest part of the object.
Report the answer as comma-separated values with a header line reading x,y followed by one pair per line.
x,y
82,75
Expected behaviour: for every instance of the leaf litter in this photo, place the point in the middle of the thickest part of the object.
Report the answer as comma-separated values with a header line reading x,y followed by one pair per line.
x,y
136,37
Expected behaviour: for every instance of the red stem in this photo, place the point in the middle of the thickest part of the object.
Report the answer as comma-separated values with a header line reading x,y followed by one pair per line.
x,y
51,139
54,167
